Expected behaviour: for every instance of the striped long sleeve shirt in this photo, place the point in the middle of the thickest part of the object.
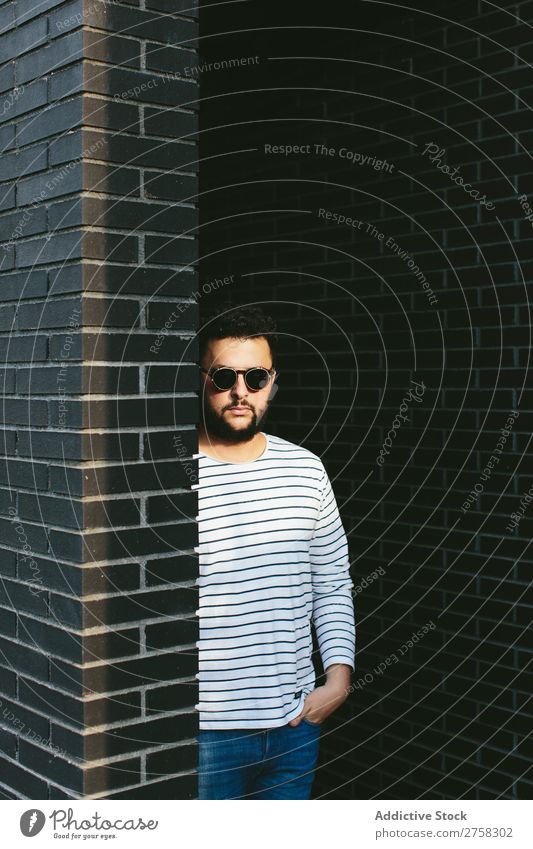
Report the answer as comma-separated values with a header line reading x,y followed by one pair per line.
x,y
273,559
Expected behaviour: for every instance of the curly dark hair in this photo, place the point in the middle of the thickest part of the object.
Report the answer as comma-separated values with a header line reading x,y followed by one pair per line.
x,y
239,322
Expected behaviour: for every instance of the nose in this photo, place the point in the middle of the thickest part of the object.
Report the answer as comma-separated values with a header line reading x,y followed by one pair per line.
x,y
240,389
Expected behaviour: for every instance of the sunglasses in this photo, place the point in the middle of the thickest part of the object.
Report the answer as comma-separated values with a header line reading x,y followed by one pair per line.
x,y
225,378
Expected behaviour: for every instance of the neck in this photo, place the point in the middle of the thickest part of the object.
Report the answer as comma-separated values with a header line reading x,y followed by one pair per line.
x,y
234,452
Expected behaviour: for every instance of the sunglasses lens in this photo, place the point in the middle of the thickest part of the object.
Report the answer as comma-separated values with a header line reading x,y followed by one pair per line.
x,y
257,378
224,378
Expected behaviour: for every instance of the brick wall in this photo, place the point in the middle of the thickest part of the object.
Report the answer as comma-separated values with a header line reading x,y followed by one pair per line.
x,y
443,714
98,116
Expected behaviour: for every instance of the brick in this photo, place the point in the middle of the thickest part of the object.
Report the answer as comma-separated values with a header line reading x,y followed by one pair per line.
x,y
49,313
123,674
179,315
67,677
7,135
24,781
42,62
171,760
34,534
66,82
137,215
141,151
7,442
174,60
111,48
68,17
32,598
8,743
171,698
124,740
70,513
25,474
110,313
25,660
123,280
174,123
58,769
75,446
7,318
7,377
30,223
52,248
115,479
8,625
7,83
58,246
19,411
178,787
123,412
111,115
141,23
164,570
25,9
31,97
8,258
76,712
66,644
170,634
169,250
165,507
179,187
7,199
162,444
55,792
66,148
133,608
24,162
29,723
6,18
113,247
75,380
54,119
70,578
8,563
117,544
171,7
14,43
110,180
137,85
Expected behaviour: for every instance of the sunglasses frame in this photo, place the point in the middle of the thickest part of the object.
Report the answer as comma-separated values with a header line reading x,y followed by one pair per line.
x,y
270,371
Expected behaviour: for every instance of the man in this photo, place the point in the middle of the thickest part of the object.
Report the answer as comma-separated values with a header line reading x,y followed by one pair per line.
x,y
273,558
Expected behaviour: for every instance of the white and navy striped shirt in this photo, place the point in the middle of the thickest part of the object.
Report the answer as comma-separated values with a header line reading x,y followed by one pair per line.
x,y
273,558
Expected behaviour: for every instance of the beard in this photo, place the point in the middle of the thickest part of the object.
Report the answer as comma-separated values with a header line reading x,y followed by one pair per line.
x,y
216,425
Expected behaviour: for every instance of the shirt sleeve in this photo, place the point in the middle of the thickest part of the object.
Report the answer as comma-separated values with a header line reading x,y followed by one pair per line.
x,y
333,608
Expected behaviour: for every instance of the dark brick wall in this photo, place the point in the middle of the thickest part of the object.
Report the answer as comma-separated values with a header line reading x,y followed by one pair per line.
x,y
443,715
98,116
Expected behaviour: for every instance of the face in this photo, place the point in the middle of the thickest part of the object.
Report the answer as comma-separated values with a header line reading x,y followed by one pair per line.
x,y
234,414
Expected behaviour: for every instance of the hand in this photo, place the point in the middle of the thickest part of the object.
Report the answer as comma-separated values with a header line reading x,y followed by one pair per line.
x,y
320,702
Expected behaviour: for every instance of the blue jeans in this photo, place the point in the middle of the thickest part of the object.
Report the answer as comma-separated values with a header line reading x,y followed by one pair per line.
x,y
270,763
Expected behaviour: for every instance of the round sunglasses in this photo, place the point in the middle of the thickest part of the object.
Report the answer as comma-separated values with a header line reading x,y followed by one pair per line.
x,y
225,378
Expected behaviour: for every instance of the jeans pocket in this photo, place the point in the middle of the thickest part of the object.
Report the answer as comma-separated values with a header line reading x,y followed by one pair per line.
x,y
313,724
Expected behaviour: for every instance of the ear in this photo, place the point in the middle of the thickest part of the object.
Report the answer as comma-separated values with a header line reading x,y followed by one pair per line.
x,y
273,389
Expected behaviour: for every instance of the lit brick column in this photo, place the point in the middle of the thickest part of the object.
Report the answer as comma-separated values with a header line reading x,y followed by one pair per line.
x,y
98,190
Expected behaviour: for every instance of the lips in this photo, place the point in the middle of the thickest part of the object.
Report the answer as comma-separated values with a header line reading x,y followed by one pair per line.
x,y
238,411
